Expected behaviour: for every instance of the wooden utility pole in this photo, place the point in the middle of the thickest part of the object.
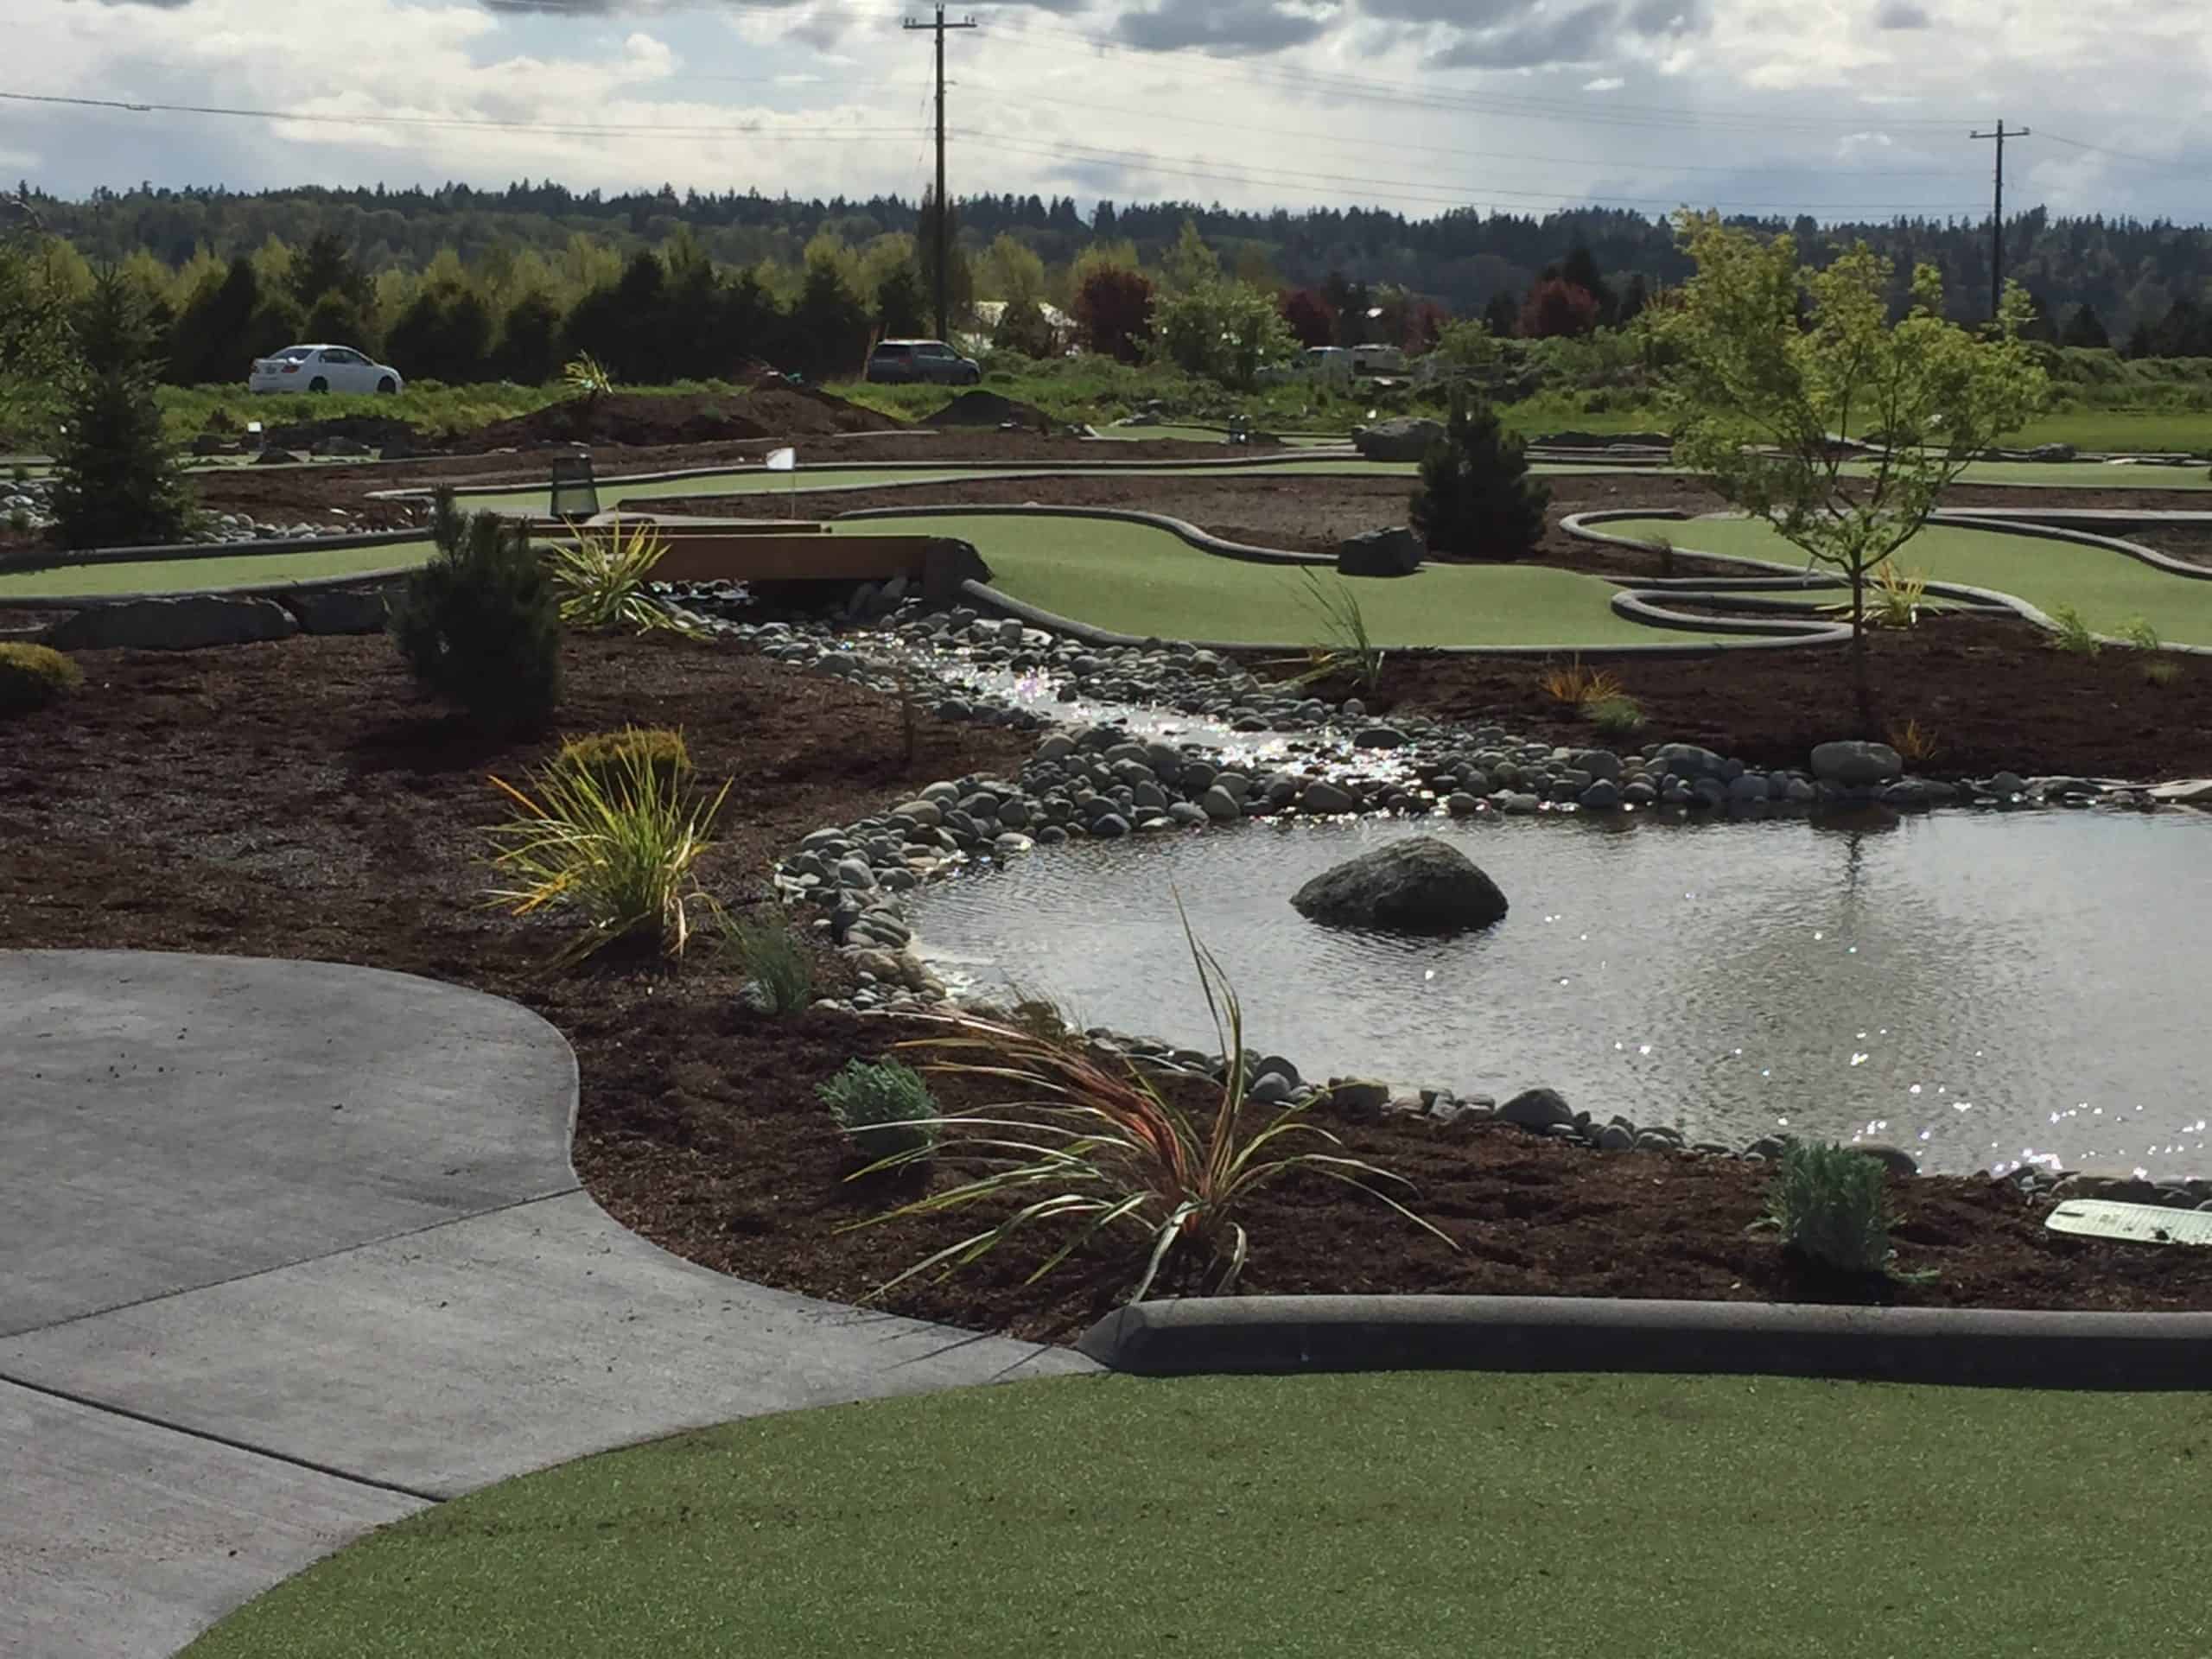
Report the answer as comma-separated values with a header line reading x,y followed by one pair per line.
x,y
943,206
1996,218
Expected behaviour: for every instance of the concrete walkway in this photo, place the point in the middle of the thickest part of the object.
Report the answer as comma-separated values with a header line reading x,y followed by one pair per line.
x,y
292,1250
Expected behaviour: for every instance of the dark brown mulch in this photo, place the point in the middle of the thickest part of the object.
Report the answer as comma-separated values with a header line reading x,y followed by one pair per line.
x,y
295,799
646,419
1994,693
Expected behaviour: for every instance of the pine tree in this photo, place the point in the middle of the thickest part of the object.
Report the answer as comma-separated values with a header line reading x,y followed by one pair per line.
x,y
116,478
1476,500
480,625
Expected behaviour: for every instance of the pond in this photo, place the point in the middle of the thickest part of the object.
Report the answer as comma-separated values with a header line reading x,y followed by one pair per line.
x,y
1983,989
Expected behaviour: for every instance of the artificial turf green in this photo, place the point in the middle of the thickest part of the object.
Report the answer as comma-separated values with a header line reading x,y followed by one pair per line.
x,y
1137,579
65,579
1404,1516
2109,589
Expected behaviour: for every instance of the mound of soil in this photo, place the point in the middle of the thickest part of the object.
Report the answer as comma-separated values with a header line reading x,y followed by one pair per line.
x,y
989,408
767,409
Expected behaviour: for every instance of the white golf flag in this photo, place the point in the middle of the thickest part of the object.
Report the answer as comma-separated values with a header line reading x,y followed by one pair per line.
x,y
783,460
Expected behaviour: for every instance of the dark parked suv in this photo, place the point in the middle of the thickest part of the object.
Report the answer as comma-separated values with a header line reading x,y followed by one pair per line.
x,y
908,360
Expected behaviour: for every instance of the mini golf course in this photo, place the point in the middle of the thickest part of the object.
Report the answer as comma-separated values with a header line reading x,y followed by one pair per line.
x,y
2108,588
1404,1514
244,568
1140,580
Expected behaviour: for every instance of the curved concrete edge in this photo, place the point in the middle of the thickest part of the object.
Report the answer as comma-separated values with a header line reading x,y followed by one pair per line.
x,y
276,590
1246,1335
1583,525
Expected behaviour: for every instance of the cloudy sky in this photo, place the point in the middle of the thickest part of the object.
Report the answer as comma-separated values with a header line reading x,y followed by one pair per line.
x,y
1841,108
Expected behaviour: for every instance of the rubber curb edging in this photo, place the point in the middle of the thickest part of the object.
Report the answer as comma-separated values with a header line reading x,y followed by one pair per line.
x,y
1994,1348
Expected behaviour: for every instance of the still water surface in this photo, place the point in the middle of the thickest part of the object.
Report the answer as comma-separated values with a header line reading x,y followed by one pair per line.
x,y
1982,989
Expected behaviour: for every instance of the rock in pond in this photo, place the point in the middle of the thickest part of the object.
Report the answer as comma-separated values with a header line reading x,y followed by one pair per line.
x,y
1855,765
1420,885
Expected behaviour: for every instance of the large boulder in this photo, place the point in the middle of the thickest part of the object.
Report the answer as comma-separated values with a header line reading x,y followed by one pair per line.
x,y
1857,765
1407,438
1379,553
1417,886
184,624
338,610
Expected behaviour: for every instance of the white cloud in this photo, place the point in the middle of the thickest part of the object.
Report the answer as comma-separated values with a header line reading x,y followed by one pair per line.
x,y
1740,102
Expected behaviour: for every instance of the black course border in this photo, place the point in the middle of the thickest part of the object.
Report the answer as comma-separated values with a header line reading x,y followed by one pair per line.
x,y
1277,1335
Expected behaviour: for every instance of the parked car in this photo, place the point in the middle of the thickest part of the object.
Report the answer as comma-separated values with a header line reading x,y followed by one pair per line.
x,y
896,362
1378,360
322,368
1326,362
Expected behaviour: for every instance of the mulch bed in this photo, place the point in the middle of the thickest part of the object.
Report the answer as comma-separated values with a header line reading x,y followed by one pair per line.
x,y
298,800
1992,693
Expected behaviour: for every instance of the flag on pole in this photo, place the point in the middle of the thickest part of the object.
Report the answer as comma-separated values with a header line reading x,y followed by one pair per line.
x,y
783,460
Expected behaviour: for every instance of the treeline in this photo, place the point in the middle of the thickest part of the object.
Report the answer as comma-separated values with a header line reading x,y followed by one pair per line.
x,y
2130,273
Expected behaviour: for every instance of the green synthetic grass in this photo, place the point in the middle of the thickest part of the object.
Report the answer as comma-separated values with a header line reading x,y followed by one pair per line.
x,y
2108,588
66,579
1134,579
2114,431
1401,1517
2077,475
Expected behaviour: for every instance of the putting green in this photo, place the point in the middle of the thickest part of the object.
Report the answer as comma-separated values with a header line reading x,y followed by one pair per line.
x,y
66,579
2109,589
2080,475
1403,1515
1134,579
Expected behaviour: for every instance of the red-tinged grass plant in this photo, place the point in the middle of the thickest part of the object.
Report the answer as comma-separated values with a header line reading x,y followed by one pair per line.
x,y
1095,1145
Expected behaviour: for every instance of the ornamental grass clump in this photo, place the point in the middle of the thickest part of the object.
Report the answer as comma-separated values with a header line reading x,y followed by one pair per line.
x,y
31,677
778,963
620,847
2070,634
1345,646
1618,715
1831,1206
1094,1145
884,1107
601,577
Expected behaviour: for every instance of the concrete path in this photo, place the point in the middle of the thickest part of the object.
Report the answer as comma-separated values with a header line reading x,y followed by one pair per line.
x,y
292,1250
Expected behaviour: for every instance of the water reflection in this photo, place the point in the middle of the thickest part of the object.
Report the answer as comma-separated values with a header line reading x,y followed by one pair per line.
x,y
1981,990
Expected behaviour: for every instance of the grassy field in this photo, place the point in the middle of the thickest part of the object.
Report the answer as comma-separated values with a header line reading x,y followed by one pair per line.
x,y
1133,579
1405,1516
217,571
2109,589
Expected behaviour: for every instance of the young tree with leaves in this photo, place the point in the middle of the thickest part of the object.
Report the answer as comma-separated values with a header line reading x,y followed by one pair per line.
x,y
1756,397
116,478
34,340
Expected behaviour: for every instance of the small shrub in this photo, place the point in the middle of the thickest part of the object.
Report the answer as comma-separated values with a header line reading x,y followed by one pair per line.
x,y
1616,716
2161,671
778,962
31,677
620,847
2070,634
1575,685
1476,500
886,1108
1914,742
1830,1203
608,755
602,573
19,520
1663,547
1897,597
2140,635
480,625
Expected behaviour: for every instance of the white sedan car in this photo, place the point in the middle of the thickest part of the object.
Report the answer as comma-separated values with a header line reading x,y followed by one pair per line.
x,y
321,368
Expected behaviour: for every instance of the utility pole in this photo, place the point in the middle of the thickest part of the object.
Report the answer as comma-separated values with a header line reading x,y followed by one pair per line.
x,y
943,206
1997,217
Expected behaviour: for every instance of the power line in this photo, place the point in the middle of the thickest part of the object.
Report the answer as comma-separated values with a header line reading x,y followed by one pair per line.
x,y
559,129
944,207
1996,218
2126,156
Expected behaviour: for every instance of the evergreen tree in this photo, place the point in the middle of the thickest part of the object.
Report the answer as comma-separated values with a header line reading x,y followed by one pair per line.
x,y
1580,269
827,333
116,478
212,340
324,266
1502,316
899,300
1634,299
529,341
1476,500
337,319
480,625
2083,328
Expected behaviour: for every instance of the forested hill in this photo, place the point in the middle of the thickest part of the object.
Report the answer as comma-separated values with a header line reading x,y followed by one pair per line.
x,y
2129,271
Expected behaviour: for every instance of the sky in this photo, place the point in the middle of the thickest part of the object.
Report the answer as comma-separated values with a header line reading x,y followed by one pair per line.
x,y
1843,109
